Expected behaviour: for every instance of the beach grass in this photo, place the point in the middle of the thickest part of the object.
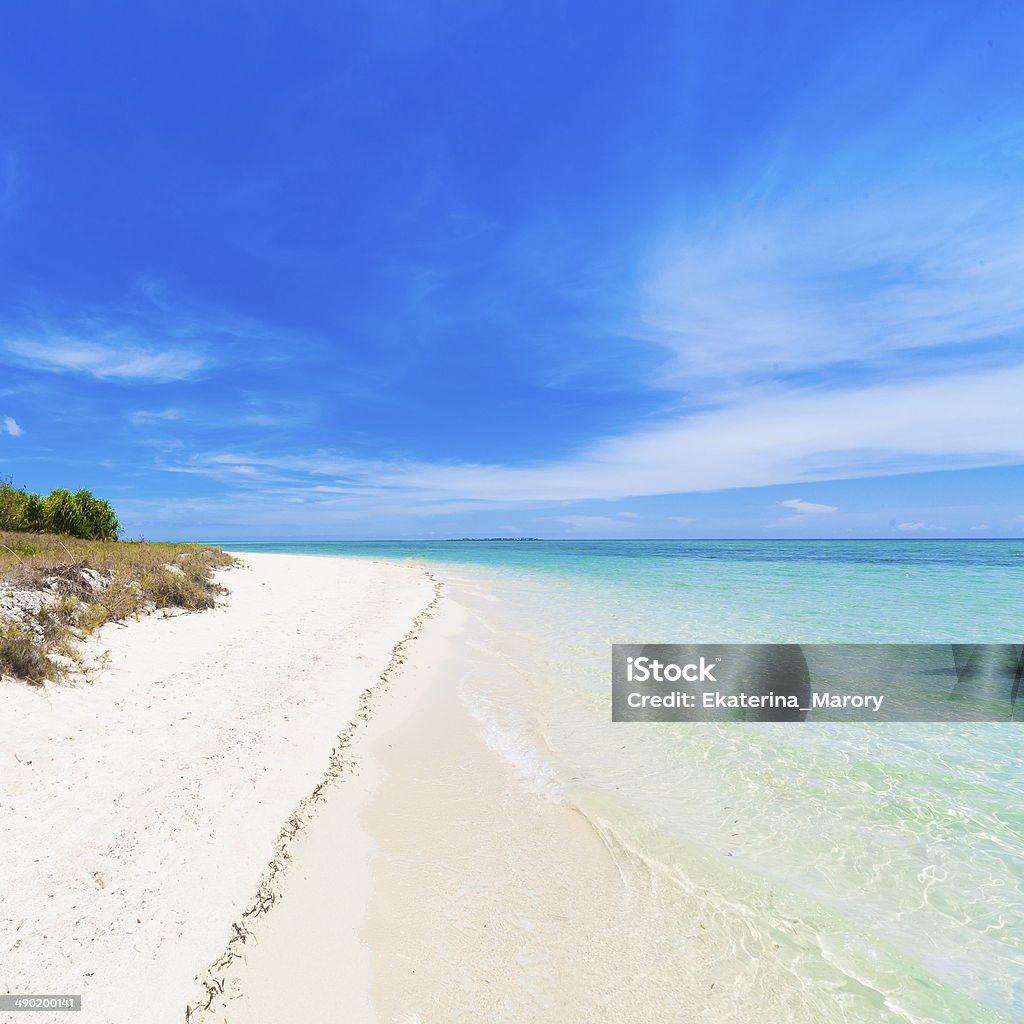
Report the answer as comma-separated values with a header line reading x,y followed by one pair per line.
x,y
55,591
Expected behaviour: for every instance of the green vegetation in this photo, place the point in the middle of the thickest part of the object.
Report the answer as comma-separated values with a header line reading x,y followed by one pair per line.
x,y
76,514
55,590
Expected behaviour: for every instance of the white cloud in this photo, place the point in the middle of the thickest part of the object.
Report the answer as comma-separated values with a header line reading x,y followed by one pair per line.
x,y
682,520
918,527
980,527
11,427
808,508
144,416
947,422
953,421
836,273
108,361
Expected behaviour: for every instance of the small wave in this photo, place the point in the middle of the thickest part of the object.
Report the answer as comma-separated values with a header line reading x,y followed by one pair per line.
x,y
511,746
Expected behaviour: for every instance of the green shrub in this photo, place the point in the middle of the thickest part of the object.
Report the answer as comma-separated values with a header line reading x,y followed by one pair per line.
x,y
72,515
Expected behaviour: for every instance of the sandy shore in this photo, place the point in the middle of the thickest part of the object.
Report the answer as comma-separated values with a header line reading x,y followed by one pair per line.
x,y
447,884
284,811
139,812
308,959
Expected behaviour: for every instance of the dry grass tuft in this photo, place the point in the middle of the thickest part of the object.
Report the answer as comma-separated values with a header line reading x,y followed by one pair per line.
x,y
22,655
56,590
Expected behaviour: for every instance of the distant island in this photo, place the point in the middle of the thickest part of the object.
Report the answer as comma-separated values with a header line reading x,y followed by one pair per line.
x,y
459,540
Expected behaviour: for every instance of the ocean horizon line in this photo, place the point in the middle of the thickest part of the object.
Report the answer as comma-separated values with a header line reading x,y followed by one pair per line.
x,y
608,540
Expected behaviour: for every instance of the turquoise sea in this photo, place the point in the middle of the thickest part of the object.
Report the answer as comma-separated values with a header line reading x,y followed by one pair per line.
x,y
849,873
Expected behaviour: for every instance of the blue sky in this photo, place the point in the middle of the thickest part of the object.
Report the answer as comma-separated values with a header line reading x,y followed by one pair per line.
x,y
563,269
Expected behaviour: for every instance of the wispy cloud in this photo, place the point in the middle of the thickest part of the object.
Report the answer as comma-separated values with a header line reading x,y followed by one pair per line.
x,y
11,427
952,421
141,417
802,512
840,273
148,335
808,508
919,527
108,360
245,413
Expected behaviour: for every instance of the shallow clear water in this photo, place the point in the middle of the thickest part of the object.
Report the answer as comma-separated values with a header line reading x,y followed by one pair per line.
x,y
875,872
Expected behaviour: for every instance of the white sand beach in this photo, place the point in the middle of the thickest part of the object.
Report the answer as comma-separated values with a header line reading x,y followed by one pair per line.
x,y
339,797
281,811
308,958
140,810
439,883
